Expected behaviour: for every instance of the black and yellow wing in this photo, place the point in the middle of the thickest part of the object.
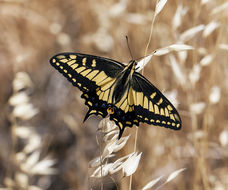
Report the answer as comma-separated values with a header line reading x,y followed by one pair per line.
x,y
93,75
85,71
151,106
143,102
99,79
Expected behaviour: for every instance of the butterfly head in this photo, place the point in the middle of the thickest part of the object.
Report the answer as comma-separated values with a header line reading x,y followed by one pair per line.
x,y
133,63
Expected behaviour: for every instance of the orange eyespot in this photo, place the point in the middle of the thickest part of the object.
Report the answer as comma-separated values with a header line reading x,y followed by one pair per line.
x,y
110,110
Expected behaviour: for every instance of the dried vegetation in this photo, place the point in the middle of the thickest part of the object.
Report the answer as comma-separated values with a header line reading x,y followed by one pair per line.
x,y
43,142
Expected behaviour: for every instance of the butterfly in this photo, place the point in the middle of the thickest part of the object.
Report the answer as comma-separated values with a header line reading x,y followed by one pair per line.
x,y
112,89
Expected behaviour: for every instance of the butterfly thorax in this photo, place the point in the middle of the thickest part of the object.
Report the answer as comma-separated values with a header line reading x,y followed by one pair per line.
x,y
123,82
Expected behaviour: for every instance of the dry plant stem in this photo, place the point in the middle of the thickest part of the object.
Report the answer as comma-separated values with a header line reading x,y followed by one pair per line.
x,y
101,163
197,165
14,140
147,46
204,142
193,115
159,187
201,145
204,146
135,147
151,32
114,182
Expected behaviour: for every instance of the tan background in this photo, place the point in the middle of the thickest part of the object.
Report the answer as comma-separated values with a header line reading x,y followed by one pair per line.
x,y
33,31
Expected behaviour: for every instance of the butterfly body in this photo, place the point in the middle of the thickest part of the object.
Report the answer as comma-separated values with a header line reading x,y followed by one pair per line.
x,y
111,88
123,82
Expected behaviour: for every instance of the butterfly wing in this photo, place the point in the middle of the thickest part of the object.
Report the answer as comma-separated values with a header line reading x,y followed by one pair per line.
x,y
151,106
85,71
93,75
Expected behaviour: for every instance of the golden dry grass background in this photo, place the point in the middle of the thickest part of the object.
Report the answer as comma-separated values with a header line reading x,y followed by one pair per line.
x,y
33,31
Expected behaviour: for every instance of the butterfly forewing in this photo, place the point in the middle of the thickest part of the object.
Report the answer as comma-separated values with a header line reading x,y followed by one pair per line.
x,y
85,71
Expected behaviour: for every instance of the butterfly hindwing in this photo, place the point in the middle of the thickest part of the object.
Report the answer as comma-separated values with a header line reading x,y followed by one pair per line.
x,y
151,106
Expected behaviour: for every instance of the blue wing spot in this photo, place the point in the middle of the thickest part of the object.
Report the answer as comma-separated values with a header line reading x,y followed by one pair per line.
x,y
119,113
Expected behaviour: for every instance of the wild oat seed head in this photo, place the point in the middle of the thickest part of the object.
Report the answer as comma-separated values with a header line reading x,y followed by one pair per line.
x,y
160,5
223,138
199,134
175,174
120,143
22,180
152,183
198,107
177,70
8,182
23,132
210,28
194,75
205,1
136,18
177,19
220,9
103,40
173,47
20,157
161,51
18,98
24,111
142,63
114,145
55,28
34,142
98,160
131,164
117,9
182,55
172,97
21,81
31,160
33,187
215,94
102,171
190,33
106,125
202,51
63,39
117,166
223,46
43,167
111,135
206,60
33,165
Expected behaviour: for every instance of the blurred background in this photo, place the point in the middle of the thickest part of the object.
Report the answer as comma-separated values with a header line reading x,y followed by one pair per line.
x,y
43,142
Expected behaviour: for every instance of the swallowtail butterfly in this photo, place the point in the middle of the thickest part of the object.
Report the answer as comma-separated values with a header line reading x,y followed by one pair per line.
x,y
111,88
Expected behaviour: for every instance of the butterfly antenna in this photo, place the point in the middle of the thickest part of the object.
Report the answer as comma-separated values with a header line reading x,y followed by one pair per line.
x,y
129,48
